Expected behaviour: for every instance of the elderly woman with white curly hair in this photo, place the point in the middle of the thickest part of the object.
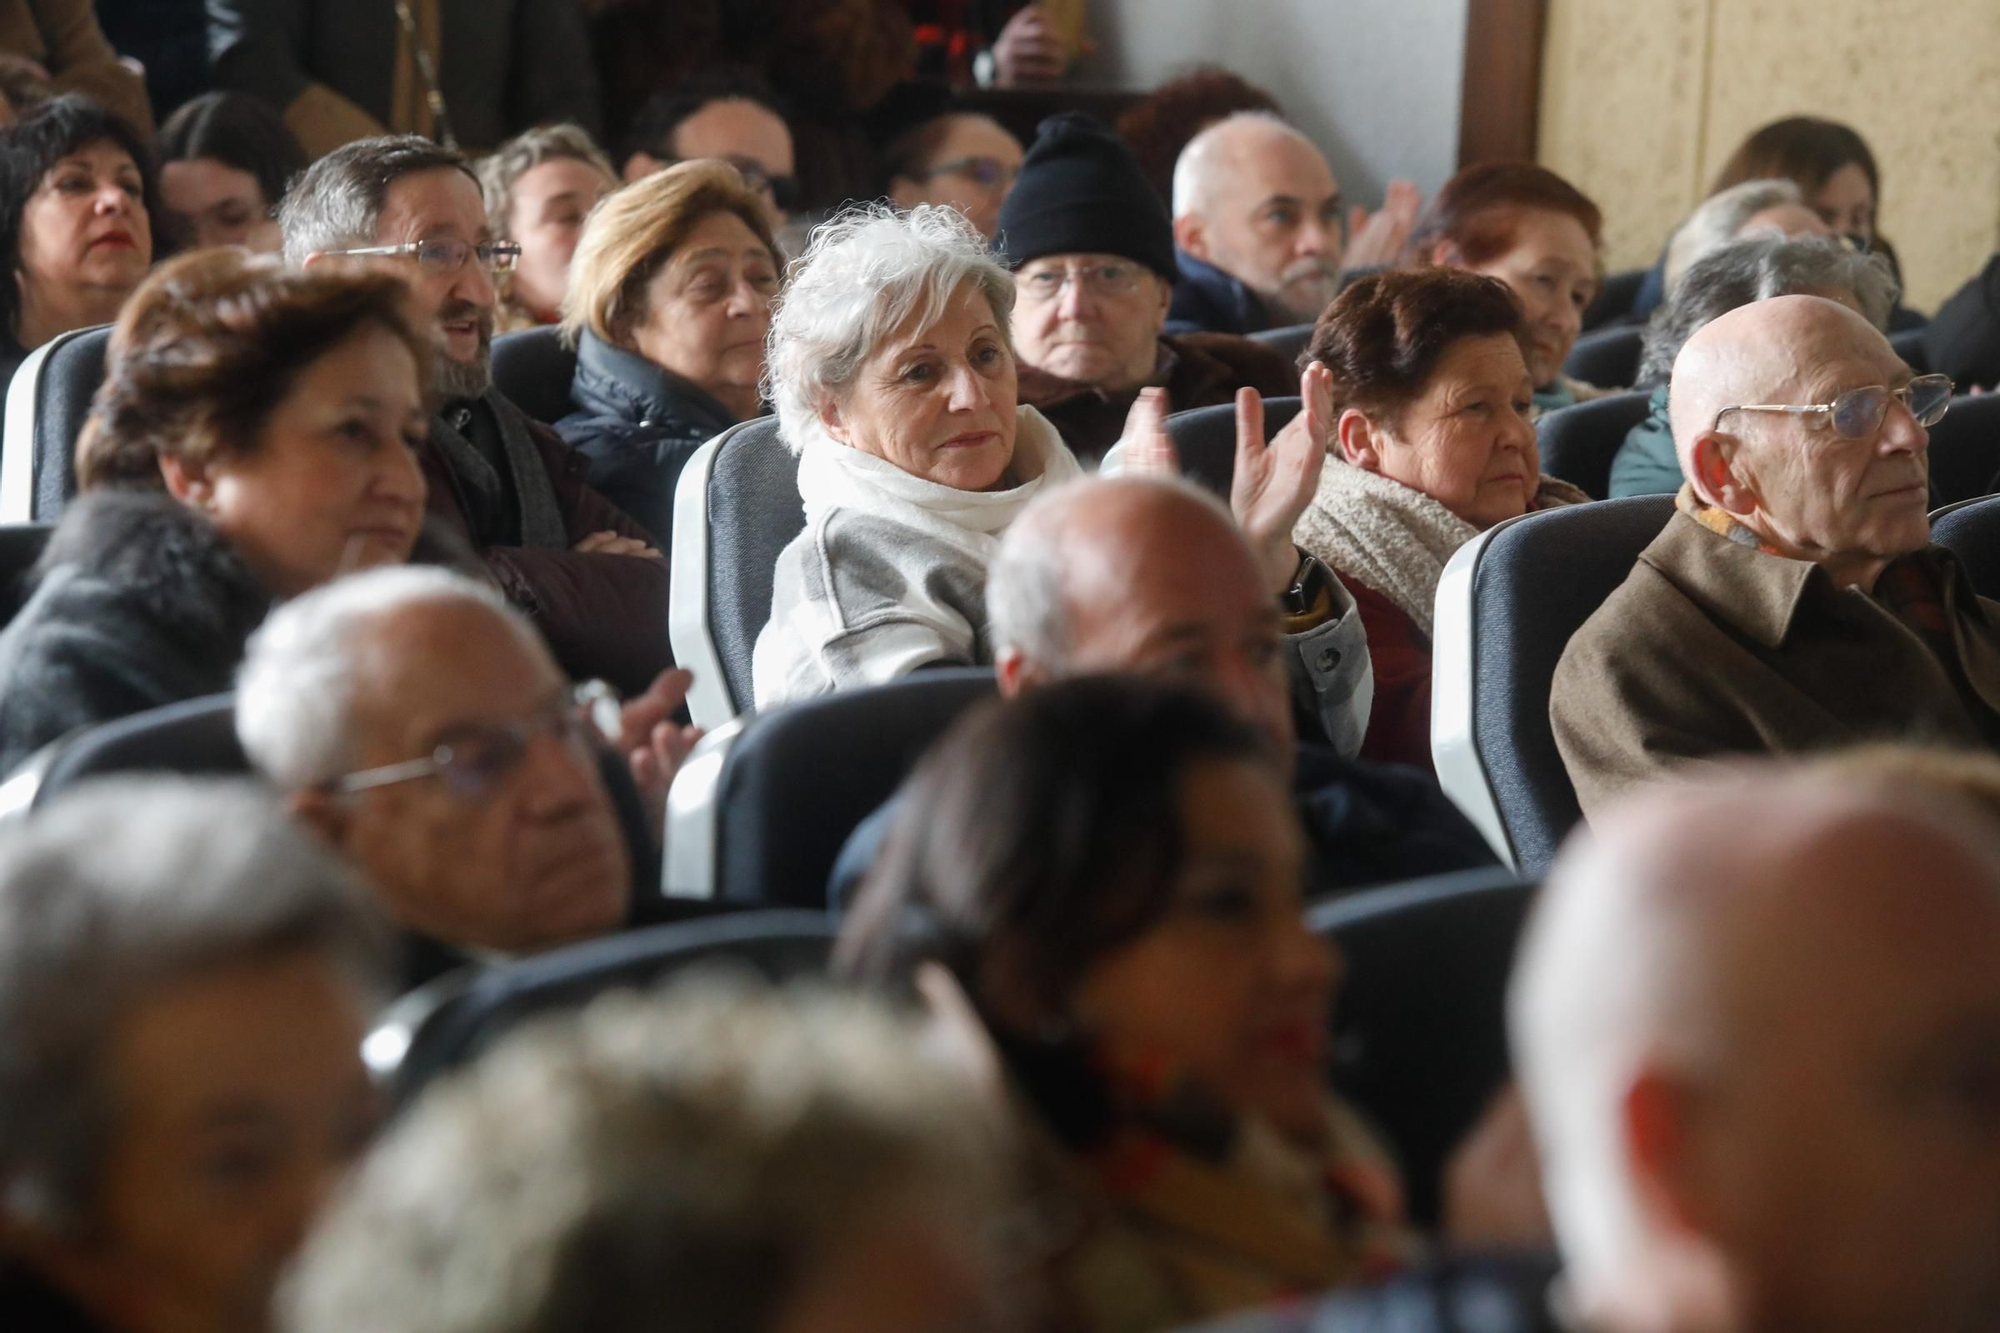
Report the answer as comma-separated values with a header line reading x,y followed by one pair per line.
x,y
893,377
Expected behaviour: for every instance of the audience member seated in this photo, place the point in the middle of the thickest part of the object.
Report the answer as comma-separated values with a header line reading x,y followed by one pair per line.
x,y
253,439
893,378
539,188
1093,254
1759,1059
64,41
467,73
586,572
76,229
419,725
1108,870
225,159
1258,219
725,1159
1794,602
1431,446
669,304
1152,577
1534,231
1755,268
730,114
1162,123
958,158
1761,207
185,981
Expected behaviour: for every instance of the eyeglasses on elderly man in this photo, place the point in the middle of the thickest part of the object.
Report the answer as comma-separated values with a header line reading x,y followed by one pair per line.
x,y
1859,413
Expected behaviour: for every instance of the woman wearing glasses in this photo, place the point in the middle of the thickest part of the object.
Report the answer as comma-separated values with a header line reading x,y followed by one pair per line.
x,y
960,159
255,437
669,302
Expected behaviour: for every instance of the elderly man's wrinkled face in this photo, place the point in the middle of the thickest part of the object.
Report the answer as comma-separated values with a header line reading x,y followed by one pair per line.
x,y
1273,222
239,1098
444,204
519,847
1095,319
1465,440
936,399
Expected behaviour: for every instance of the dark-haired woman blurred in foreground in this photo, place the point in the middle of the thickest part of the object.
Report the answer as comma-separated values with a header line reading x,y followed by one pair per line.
x,y
254,437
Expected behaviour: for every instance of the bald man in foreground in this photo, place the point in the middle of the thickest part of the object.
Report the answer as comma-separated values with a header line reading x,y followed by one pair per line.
x,y
1764,1069
1793,602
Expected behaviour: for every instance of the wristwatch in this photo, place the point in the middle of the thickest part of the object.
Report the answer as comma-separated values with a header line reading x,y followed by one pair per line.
x,y
1308,590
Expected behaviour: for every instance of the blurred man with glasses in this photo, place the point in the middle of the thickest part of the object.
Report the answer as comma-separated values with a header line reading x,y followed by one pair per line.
x,y
417,723
1093,254
588,573
728,114
1794,601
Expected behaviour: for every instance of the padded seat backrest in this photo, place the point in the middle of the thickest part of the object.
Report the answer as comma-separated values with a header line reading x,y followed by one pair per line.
x,y
736,508
1965,449
533,369
759,815
1909,344
1205,439
1579,443
196,737
1420,1036
1608,358
1506,608
1615,299
1970,529
1288,341
21,545
47,404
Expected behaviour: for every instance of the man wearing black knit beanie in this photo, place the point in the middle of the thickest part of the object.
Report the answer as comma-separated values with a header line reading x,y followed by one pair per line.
x,y
1093,253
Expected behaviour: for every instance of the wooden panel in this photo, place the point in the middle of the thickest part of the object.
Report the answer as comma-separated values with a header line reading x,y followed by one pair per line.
x,y
1502,89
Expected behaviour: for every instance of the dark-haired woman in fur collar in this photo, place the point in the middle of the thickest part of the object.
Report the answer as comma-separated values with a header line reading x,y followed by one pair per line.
x,y
254,438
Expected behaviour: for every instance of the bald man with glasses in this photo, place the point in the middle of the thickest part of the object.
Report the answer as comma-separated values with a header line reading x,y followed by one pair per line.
x,y
1794,600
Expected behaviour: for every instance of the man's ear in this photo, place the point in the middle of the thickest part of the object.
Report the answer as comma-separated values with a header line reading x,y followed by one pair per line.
x,y
187,480
313,258
640,165
1192,237
1657,1117
326,814
1716,476
1359,440
1018,673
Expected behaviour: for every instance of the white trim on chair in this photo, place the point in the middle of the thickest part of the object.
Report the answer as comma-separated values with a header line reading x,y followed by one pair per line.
x,y
1454,665
688,627
693,817
17,445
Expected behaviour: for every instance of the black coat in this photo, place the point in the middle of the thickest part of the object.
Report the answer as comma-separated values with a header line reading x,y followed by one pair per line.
x,y
138,602
637,425
33,1305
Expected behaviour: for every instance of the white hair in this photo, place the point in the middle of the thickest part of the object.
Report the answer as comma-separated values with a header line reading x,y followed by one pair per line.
x,y
1194,169
1721,217
865,273
296,688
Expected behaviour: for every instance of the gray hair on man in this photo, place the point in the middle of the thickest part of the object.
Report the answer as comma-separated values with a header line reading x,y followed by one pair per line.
x,y
304,666
1027,596
1195,170
867,272
1757,268
124,887
679,1161
336,204
1718,219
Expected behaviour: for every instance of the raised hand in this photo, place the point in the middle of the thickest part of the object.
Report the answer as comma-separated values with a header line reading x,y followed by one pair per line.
x,y
1146,446
1376,240
1275,482
1029,50
654,745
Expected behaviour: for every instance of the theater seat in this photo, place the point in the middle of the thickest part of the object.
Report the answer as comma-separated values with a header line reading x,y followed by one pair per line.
x,y
47,404
1579,443
1909,344
1419,1027
736,508
1608,358
533,369
1287,342
1205,439
760,811
21,545
451,1020
1506,607
195,737
1965,449
1614,299
1970,529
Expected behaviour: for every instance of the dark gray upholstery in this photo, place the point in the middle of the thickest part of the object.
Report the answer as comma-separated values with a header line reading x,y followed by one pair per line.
x,y
1608,358
63,392
1537,580
1965,449
1971,529
477,1009
800,778
1420,1037
196,737
533,369
1615,298
1909,344
1205,438
1578,443
21,545
754,511
1288,341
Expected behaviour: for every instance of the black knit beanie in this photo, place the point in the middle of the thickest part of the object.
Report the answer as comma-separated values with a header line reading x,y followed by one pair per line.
x,y
1081,191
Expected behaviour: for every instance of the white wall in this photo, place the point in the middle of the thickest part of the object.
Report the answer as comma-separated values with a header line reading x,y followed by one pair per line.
x,y
1374,82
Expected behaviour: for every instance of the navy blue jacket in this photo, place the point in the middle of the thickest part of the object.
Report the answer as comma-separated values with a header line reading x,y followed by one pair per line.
x,y
637,425
1207,300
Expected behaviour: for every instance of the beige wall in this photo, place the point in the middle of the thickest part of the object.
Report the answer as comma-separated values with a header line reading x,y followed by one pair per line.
x,y
1643,100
